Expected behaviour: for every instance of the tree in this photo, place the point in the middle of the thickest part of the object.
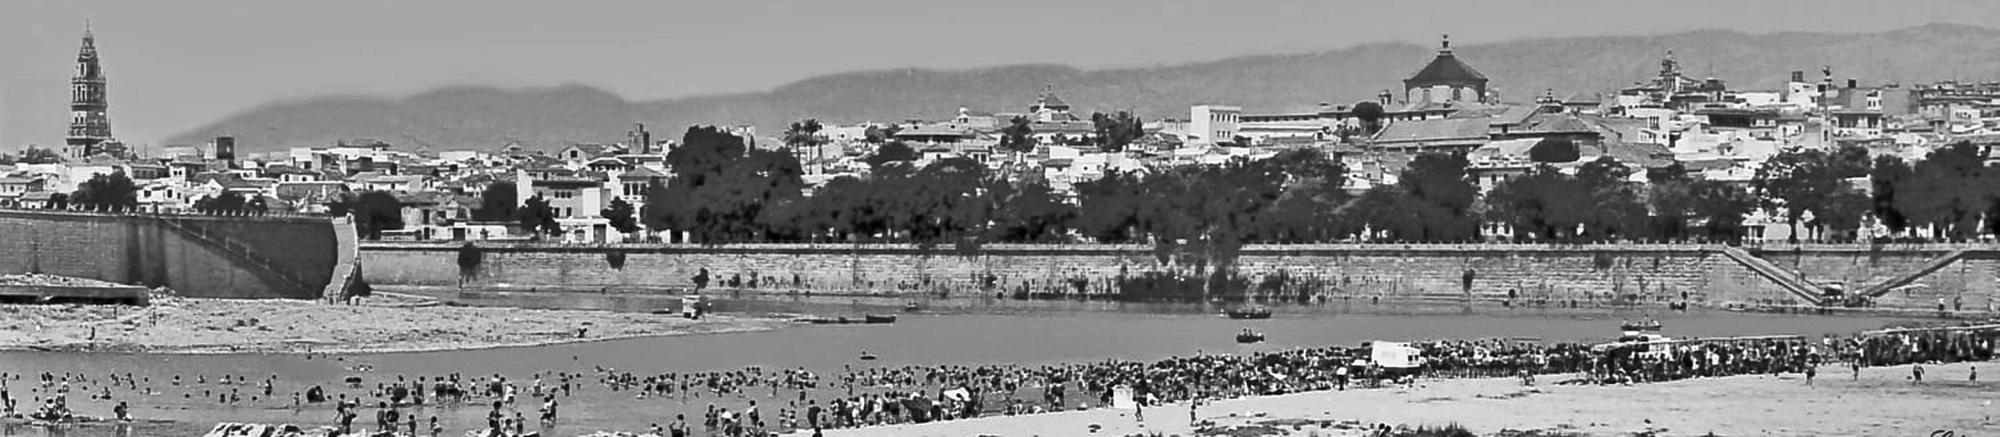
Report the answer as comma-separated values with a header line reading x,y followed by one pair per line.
x,y
1720,208
619,213
1842,211
1799,180
894,151
657,215
537,218
107,191
37,155
1615,208
1554,150
225,203
1111,204
1543,203
1313,192
1888,175
1030,212
497,202
1441,195
723,191
879,135
803,136
1947,191
376,211
1116,131
1670,195
257,206
1370,114
1017,137
1386,212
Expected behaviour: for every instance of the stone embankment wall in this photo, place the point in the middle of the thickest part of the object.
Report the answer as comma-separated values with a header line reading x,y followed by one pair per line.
x,y
230,257
1623,273
1970,281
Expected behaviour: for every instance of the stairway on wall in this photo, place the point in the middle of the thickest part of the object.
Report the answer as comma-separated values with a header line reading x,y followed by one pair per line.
x,y
237,251
1882,288
1799,287
347,268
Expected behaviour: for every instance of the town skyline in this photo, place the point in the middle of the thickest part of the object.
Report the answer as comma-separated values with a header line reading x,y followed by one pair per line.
x,y
150,66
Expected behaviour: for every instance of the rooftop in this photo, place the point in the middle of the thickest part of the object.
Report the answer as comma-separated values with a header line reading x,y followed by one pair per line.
x,y
1445,69
1448,129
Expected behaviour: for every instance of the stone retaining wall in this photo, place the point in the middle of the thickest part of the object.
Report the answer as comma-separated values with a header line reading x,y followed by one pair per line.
x,y
1627,273
141,250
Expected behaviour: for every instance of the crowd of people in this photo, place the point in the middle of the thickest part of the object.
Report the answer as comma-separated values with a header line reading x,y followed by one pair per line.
x,y
757,401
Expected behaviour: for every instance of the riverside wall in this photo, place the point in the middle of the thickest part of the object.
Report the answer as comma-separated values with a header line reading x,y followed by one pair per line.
x,y
1970,281
1629,273
293,257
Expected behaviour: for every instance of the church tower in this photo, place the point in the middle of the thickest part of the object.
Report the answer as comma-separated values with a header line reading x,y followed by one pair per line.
x,y
89,127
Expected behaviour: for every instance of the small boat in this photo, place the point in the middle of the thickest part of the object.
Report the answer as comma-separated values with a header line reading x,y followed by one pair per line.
x,y
1646,326
1248,313
1248,336
865,356
911,307
873,319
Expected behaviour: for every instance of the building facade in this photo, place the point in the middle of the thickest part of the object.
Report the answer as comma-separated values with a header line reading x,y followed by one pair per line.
x,y
1213,123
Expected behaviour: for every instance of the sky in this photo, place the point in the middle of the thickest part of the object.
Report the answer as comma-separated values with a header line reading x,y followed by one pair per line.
x,y
175,65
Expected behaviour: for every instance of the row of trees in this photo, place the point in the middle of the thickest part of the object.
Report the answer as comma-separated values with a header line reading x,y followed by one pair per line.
x,y
724,192
1947,193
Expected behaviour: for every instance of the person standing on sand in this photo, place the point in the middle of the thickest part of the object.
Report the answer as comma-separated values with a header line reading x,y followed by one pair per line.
x,y
1917,373
1811,371
1192,405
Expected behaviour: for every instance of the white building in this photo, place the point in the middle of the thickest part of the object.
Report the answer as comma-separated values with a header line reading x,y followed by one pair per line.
x,y
1213,123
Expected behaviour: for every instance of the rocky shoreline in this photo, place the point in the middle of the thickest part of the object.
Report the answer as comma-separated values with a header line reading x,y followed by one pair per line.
x,y
173,325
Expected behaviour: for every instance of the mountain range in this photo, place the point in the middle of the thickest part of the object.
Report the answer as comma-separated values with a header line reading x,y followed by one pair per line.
x,y
549,117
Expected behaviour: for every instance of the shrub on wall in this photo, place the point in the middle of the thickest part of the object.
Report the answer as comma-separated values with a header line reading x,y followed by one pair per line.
x,y
469,256
616,259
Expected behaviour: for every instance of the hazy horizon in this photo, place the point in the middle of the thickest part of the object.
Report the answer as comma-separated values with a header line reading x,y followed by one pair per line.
x,y
174,66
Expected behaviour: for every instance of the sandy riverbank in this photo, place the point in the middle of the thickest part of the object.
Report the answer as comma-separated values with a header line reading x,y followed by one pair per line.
x,y
1883,402
196,326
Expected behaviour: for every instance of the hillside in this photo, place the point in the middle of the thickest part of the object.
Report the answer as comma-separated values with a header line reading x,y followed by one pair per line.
x,y
459,117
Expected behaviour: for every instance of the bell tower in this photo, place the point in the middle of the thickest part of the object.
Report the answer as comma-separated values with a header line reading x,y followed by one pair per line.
x,y
89,126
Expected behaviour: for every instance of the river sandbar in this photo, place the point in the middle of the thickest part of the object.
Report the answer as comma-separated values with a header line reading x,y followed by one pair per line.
x,y
206,326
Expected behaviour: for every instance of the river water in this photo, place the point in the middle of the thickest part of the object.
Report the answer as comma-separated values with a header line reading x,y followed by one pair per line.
x,y
948,331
